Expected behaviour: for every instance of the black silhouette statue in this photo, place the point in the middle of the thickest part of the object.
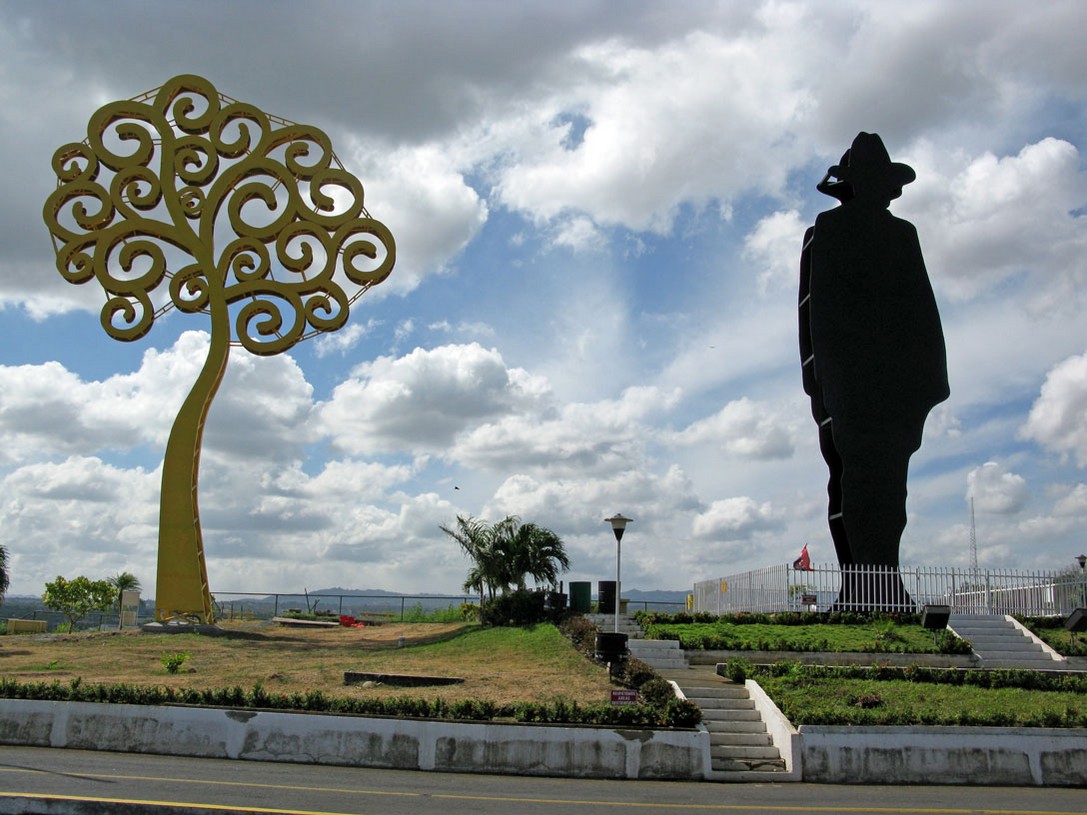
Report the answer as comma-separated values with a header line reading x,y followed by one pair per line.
x,y
874,362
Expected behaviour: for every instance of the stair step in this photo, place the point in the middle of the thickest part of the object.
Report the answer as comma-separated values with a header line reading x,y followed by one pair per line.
x,y
744,751
727,727
1020,648
740,740
767,766
722,692
1030,664
1015,655
1010,638
659,656
664,644
726,703
751,715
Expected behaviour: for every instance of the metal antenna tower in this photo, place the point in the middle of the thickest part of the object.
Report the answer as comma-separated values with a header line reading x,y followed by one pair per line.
x,y
973,541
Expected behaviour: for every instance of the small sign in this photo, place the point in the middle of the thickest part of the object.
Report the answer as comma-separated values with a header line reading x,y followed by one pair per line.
x,y
624,697
724,586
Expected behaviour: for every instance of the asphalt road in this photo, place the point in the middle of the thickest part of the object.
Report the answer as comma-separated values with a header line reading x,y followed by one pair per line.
x,y
36,780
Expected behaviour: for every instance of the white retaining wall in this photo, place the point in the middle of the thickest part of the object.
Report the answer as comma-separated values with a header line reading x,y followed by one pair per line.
x,y
486,747
819,754
1018,756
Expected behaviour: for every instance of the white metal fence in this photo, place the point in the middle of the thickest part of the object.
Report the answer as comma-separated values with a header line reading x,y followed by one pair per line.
x,y
990,591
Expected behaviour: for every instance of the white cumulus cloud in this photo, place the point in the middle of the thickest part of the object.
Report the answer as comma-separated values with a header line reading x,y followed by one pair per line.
x,y
1058,419
996,490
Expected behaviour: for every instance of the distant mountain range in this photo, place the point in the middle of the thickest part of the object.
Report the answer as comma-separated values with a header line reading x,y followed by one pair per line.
x,y
656,596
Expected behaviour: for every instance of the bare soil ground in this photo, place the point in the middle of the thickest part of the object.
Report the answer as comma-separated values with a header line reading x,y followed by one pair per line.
x,y
501,665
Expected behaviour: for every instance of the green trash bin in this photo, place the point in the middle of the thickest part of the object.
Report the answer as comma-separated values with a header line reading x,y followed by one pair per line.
x,y
581,597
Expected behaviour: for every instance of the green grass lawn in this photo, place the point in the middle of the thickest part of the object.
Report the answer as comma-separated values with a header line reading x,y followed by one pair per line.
x,y
850,699
875,636
887,696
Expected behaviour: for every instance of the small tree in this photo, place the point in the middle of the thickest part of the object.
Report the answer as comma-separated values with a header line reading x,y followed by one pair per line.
x,y
78,597
125,581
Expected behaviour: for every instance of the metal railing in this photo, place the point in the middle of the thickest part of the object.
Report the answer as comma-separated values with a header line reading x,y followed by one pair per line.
x,y
251,605
265,605
908,588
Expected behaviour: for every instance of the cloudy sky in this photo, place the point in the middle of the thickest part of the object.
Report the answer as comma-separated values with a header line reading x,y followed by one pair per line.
x,y
598,209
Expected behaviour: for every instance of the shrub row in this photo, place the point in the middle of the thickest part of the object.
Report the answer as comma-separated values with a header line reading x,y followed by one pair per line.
x,y
778,618
558,711
860,716
995,678
946,643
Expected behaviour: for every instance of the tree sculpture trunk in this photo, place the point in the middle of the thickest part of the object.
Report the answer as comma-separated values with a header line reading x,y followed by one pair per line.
x,y
181,590
234,208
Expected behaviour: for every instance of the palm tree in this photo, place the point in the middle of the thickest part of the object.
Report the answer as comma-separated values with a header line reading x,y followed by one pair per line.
x,y
125,581
540,555
507,552
476,539
3,572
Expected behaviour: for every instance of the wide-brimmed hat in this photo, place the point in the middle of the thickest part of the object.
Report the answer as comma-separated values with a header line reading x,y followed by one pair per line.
x,y
867,166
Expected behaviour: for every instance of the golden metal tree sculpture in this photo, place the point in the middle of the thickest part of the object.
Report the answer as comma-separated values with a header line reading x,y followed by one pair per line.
x,y
248,218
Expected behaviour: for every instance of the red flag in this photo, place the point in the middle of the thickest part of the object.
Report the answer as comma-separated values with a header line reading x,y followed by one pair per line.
x,y
803,563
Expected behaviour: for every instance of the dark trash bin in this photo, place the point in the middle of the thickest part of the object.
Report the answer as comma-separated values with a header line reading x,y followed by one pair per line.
x,y
611,646
605,596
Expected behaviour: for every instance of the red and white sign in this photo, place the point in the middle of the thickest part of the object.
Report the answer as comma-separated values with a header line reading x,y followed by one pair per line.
x,y
624,697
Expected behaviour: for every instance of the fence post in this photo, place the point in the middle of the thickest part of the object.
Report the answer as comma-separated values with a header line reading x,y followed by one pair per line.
x,y
988,593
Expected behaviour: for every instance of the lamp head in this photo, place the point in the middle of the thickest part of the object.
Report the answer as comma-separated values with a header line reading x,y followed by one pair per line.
x,y
618,524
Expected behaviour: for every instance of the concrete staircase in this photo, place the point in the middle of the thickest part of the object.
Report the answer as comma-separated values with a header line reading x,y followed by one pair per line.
x,y
999,643
661,655
739,743
627,624
740,747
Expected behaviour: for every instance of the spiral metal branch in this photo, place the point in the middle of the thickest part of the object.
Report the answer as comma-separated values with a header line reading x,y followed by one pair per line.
x,y
149,194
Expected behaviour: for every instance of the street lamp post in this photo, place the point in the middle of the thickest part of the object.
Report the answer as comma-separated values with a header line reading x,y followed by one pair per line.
x,y
618,524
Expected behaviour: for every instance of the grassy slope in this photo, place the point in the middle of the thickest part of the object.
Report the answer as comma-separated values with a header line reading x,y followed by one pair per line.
x,y
498,664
